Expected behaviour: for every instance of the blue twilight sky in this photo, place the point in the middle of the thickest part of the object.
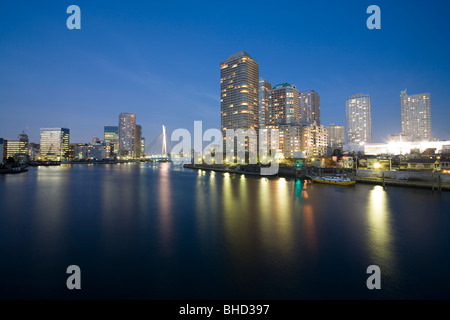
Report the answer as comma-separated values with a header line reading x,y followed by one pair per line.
x,y
160,60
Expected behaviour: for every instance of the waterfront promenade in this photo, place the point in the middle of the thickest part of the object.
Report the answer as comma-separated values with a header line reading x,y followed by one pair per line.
x,y
434,181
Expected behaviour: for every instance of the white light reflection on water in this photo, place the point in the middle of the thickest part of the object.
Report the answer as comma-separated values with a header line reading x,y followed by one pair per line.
x,y
380,240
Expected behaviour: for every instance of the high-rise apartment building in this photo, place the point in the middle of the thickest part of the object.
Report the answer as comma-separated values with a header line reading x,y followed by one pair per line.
x,y
54,143
336,136
265,88
290,139
137,141
127,132
309,107
239,94
315,140
359,119
284,105
416,116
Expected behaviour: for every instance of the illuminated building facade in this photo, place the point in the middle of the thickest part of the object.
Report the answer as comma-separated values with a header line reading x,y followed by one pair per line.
x,y
127,132
284,105
309,107
239,95
405,147
416,116
54,143
315,140
16,146
34,151
336,136
96,151
111,133
23,143
111,137
359,119
265,88
398,138
81,151
12,148
142,147
71,153
137,141
290,139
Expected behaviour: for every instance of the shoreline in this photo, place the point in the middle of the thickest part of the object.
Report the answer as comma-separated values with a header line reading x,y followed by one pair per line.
x,y
360,176
433,186
404,183
59,163
219,169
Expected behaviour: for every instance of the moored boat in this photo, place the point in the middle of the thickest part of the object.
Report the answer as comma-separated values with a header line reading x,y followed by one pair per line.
x,y
340,181
19,169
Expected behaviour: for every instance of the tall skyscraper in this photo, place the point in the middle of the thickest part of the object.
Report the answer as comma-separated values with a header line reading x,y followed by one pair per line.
x,y
416,116
137,141
127,132
359,119
284,105
54,144
239,89
310,107
336,136
265,88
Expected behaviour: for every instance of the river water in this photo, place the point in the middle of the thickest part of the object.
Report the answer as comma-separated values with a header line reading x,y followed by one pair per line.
x,y
160,231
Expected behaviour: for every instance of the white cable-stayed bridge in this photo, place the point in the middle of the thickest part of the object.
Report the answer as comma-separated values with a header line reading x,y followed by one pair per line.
x,y
157,149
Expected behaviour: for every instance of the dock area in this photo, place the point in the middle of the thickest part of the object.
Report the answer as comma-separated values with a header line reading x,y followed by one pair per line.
x,y
434,186
433,181
247,170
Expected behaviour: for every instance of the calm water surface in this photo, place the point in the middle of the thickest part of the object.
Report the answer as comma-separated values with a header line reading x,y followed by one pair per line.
x,y
158,231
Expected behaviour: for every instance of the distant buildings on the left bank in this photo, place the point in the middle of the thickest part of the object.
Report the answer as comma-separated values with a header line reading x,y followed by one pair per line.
x,y
54,144
15,148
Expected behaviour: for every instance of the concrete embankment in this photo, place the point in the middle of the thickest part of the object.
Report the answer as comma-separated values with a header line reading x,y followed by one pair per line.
x,y
248,169
254,170
429,180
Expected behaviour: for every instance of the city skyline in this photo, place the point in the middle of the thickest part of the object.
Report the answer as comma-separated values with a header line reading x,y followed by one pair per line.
x,y
224,158
248,101
101,81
